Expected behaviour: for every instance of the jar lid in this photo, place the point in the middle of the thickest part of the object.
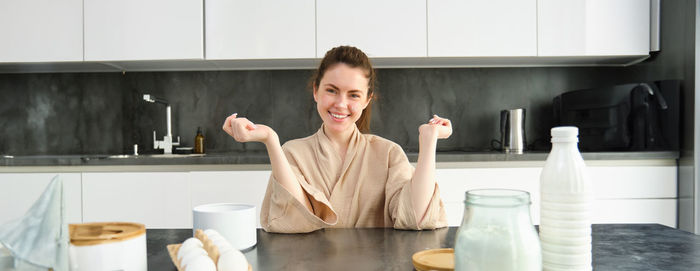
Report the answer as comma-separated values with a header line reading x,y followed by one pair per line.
x,y
440,259
88,234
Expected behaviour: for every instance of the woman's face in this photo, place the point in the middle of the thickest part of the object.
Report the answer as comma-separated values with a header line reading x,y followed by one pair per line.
x,y
341,96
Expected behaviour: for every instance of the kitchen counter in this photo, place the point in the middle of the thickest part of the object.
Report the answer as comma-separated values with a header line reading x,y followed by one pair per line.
x,y
615,247
261,158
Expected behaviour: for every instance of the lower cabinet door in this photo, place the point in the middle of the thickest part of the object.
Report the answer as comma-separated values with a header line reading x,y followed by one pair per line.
x,y
661,211
623,194
19,191
156,199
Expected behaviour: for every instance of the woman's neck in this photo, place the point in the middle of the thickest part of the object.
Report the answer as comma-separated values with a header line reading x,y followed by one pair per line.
x,y
339,140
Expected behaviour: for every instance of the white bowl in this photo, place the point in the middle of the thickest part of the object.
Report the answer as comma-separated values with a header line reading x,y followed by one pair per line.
x,y
235,222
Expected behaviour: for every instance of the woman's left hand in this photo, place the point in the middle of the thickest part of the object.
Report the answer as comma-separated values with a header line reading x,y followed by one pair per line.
x,y
437,126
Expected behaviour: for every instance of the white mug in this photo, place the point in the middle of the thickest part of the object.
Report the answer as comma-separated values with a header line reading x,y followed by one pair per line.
x,y
235,222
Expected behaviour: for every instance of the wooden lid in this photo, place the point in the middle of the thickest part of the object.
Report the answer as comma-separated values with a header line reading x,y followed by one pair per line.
x,y
441,259
88,234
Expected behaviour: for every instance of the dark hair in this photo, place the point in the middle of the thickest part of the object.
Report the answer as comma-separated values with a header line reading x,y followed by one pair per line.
x,y
355,58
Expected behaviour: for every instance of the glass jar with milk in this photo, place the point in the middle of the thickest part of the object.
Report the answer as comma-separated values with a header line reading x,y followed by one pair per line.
x,y
497,232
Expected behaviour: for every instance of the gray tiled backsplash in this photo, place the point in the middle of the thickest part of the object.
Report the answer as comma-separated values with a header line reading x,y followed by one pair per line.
x,y
97,113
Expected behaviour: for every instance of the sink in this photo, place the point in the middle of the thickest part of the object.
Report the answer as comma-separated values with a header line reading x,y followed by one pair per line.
x,y
122,156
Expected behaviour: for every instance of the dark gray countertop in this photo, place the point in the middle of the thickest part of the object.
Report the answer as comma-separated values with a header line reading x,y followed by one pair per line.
x,y
262,158
615,247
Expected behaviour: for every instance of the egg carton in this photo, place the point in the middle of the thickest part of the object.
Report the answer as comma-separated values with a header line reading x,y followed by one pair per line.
x,y
208,245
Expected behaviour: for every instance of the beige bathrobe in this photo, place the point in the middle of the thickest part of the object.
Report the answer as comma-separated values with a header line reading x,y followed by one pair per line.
x,y
371,188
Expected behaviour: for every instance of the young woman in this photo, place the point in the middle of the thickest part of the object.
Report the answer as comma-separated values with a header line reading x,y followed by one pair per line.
x,y
341,176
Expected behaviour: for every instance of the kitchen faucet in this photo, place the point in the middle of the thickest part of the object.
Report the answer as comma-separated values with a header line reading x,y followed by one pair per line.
x,y
167,143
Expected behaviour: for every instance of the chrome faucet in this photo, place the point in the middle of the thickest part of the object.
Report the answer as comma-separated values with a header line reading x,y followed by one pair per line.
x,y
167,143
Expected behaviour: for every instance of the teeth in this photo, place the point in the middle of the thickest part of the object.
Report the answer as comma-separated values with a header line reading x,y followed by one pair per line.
x,y
339,116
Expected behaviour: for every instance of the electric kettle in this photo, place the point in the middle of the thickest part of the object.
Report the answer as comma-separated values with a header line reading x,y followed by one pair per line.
x,y
513,130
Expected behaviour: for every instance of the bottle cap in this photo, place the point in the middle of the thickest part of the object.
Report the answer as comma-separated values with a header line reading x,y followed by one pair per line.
x,y
199,130
565,134
565,131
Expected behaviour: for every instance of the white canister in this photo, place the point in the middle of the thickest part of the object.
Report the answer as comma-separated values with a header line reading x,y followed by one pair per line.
x,y
108,246
235,222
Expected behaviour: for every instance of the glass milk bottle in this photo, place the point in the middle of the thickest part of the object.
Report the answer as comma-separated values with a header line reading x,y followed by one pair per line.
x,y
565,210
497,232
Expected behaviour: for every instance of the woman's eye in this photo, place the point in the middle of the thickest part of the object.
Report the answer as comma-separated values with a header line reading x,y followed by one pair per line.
x,y
330,90
355,96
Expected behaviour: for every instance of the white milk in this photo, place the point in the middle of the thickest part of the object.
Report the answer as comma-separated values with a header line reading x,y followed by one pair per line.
x,y
566,205
497,232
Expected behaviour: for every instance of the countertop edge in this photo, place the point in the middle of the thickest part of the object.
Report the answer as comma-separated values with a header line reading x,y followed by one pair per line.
x,y
265,167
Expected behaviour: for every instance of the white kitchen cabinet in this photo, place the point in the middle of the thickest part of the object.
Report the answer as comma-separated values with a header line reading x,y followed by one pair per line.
x,y
482,28
266,29
156,199
454,183
593,27
143,30
624,194
19,191
246,187
41,30
392,28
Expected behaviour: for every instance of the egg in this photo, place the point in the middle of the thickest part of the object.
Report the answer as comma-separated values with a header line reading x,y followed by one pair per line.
x,y
211,232
201,263
188,245
192,241
192,254
232,260
217,239
224,247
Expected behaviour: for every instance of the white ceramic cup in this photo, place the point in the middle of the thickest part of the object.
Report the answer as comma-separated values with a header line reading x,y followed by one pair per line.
x,y
235,222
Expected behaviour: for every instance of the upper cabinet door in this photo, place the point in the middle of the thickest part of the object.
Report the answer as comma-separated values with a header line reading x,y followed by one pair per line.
x,y
482,28
143,30
593,27
263,29
391,28
41,30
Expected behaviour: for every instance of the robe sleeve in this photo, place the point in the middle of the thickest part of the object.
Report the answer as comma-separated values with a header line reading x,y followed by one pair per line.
x,y
281,212
400,203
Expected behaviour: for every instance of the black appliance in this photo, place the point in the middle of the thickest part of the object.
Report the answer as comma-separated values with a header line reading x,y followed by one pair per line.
x,y
629,117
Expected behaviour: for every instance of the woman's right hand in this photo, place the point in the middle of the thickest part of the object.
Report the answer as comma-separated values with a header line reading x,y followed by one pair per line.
x,y
243,130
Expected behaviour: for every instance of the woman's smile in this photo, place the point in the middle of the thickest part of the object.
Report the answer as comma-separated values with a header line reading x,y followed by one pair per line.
x,y
338,116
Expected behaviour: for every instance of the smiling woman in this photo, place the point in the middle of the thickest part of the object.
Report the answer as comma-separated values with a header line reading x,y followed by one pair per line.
x,y
342,176
352,70
342,97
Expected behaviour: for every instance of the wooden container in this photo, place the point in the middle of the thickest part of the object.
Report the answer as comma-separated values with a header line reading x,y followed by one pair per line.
x,y
108,246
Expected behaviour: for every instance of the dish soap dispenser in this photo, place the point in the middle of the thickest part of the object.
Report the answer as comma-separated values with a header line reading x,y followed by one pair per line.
x,y
199,141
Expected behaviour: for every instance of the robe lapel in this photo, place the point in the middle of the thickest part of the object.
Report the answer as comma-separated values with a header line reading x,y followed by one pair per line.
x,y
344,190
328,161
